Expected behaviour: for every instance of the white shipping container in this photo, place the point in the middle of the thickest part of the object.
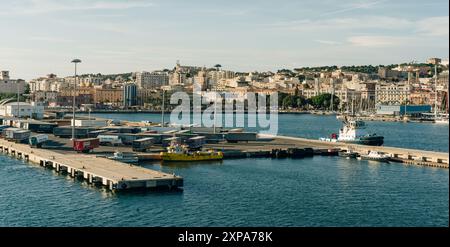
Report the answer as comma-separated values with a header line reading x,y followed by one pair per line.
x,y
109,139
90,123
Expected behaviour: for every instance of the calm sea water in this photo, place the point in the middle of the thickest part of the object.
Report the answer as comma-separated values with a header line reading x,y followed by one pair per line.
x,y
319,191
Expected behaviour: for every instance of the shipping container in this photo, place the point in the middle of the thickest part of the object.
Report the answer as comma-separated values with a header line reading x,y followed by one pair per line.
x,y
85,145
170,132
234,137
20,136
183,132
95,133
157,138
66,131
196,142
38,126
127,138
212,137
141,145
113,140
90,123
7,133
123,129
185,136
37,140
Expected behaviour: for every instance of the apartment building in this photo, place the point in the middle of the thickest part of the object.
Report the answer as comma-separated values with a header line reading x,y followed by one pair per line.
x,y
147,80
8,85
392,93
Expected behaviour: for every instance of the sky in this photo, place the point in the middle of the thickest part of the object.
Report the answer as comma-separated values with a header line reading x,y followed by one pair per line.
x,y
117,36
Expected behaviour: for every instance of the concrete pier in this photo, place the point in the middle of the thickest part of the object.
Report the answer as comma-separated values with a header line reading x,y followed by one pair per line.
x,y
409,156
112,174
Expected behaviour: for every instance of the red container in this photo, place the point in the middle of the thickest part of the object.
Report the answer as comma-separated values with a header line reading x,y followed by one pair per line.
x,y
85,145
334,136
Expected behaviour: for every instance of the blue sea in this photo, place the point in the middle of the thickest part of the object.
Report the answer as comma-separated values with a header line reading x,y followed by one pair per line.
x,y
318,191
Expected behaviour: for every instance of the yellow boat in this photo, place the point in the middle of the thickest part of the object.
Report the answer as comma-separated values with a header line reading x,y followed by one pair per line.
x,y
181,153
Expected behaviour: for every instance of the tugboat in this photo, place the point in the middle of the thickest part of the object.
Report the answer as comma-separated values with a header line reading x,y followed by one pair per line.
x,y
375,156
354,132
177,152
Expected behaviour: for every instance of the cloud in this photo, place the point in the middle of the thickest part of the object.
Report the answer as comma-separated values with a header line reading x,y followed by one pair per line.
x,y
347,23
328,42
376,41
49,39
46,6
354,6
434,26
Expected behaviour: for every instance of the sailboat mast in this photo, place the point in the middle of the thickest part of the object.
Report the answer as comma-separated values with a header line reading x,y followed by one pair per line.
x,y
162,110
215,110
435,91
332,94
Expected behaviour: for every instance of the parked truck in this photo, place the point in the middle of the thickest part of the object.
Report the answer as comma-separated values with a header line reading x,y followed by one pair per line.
x,y
7,133
16,134
37,140
141,145
112,140
196,142
234,137
66,131
85,145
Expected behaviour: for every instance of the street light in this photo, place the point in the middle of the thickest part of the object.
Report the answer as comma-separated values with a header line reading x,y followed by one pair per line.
x,y
75,61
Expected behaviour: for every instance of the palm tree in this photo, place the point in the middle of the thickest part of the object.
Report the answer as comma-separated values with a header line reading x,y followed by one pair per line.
x,y
218,66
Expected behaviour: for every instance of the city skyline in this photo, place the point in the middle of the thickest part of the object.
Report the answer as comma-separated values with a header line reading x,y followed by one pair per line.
x,y
123,36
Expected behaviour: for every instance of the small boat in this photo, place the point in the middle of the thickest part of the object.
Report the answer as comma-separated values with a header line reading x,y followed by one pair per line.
x,y
441,120
124,157
348,154
375,156
177,152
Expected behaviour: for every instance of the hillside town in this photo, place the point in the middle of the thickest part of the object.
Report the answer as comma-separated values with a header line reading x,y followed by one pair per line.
x,y
372,89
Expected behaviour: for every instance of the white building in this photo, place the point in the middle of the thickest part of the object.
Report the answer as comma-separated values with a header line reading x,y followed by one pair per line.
x,y
215,76
392,93
147,80
49,83
7,85
22,109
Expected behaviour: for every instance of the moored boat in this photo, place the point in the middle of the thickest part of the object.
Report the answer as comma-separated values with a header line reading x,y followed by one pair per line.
x,y
348,154
354,132
375,156
124,157
177,152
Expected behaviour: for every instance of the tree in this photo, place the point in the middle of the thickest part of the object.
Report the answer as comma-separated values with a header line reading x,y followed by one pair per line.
x,y
301,102
27,89
288,102
7,95
323,101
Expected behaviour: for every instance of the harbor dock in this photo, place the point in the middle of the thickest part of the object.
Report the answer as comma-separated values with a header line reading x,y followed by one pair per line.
x,y
403,155
112,174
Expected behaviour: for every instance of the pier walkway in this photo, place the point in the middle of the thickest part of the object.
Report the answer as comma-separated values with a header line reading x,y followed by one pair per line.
x,y
397,153
112,174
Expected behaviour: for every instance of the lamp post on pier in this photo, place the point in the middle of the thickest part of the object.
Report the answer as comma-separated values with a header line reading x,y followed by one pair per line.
x,y
75,61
